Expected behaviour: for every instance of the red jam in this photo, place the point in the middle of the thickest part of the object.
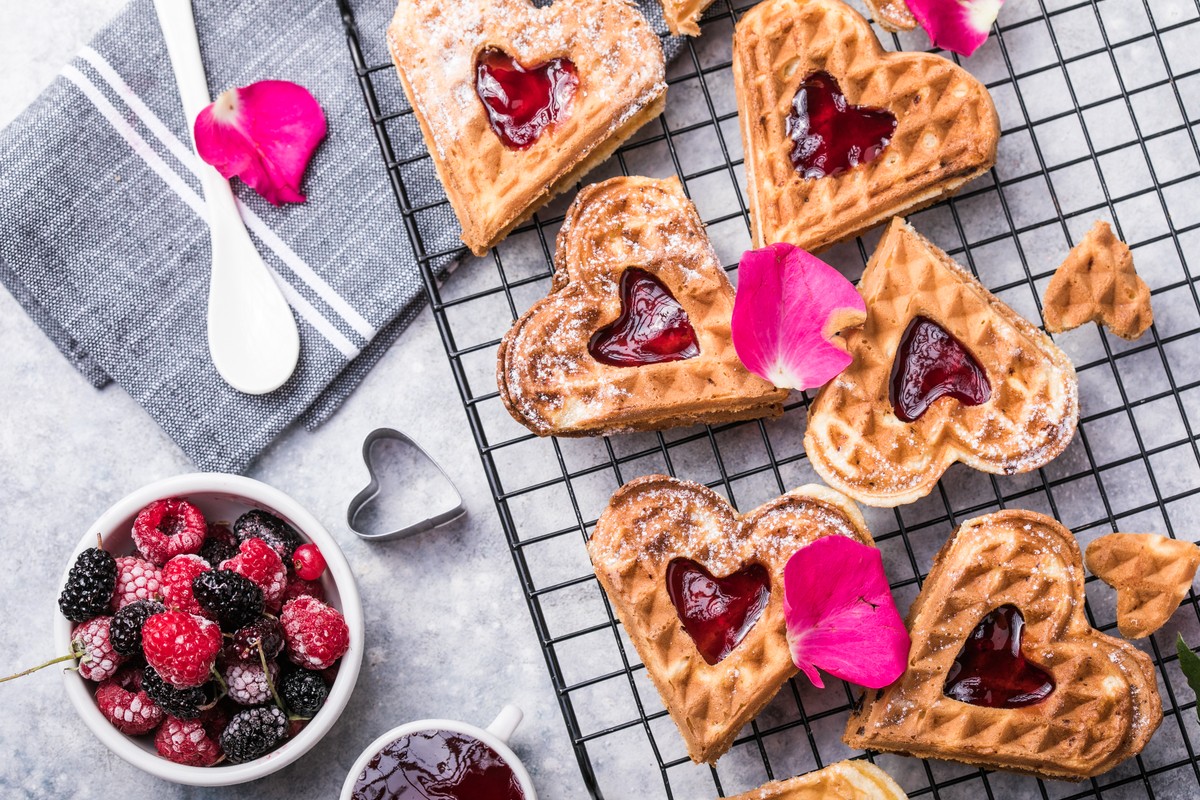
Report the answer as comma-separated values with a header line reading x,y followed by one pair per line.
x,y
991,670
717,612
652,328
932,364
829,136
521,102
437,765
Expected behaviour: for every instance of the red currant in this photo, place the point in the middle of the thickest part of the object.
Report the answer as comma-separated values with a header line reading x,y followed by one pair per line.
x,y
309,562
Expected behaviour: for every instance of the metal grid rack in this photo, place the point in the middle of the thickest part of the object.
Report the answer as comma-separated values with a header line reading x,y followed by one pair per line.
x,y
1100,107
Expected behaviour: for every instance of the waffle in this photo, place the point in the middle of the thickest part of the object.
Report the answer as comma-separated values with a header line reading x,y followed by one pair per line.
x,y
549,381
946,133
845,780
1105,704
1098,283
652,520
682,15
1151,574
892,15
435,43
854,438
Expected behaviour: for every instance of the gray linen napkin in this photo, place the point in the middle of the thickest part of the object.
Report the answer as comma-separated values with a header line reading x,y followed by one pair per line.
x,y
102,234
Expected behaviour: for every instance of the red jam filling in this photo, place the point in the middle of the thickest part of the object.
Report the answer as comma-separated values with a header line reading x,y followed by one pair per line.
x,y
717,612
652,328
932,364
829,136
437,765
520,101
991,671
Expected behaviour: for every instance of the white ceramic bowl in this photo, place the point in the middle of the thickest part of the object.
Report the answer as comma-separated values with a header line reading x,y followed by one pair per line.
x,y
495,736
220,497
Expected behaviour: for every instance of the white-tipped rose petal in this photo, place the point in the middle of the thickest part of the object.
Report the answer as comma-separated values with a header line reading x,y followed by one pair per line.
x,y
957,25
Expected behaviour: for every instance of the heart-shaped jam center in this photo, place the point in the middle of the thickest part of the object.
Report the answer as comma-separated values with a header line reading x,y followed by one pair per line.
x,y
829,136
520,101
932,364
717,612
652,328
991,671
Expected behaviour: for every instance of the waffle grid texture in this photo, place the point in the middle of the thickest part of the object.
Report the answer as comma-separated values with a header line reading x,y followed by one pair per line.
x,y
1151,573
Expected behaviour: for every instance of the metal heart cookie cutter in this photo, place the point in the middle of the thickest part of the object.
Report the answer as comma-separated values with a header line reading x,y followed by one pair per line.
x,y
363,498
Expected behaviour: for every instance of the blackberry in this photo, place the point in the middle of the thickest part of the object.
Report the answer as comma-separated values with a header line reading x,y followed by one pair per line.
x,y
244,645
258,524
253,733
234,600
216,551
90,585
304,693
126,630
181,703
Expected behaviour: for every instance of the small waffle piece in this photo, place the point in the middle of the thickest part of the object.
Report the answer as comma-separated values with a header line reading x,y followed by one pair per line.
x,y
858,444
946,133
550,382
653,520
1098,283
1104,706
682,15
845,780
435,44
1151,574
892,15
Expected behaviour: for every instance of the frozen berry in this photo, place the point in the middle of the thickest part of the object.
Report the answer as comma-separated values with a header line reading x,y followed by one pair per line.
x,y
258,562
125,704
181,647
253,733
258,524
308,562
90,585
215,551
316,634
137,579
185,741
168,528
215,719
177,578
99,660
182,703
244,644
126,629
298,587
304,693
234,601
248,683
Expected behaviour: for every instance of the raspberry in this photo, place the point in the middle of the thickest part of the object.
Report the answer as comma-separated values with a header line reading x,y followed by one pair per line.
x,y
308,562
233,600
125,704
316,634
253,733
248,683
220,545
99,660
177,578
304,693
186,742
182,703
137,579
257,524
168,528
181,647
244,645
297,587
216,719
126,629
258,562
90,585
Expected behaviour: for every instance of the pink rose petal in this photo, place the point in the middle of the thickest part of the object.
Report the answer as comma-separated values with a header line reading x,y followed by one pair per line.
x,y
789,306
840,614
264,133
957,25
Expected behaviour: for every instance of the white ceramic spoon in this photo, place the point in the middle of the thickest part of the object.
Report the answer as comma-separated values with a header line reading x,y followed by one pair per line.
x,y
252,334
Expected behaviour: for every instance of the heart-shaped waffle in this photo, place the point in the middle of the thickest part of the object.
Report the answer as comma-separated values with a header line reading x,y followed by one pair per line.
x,y
845,780
1104,705
1151,574
552,384
436,46
858,443
946,131
654,520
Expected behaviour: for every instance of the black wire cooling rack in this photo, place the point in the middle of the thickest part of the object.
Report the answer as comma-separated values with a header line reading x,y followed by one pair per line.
x,y
1100,106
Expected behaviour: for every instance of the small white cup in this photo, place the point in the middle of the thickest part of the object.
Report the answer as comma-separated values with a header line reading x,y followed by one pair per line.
x,y
495,736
